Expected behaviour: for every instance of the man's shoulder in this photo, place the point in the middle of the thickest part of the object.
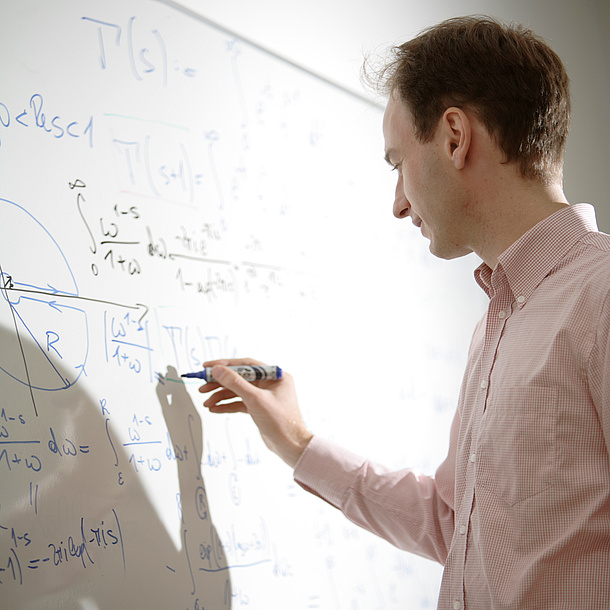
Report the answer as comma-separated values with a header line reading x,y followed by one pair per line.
x,y
594,251
598,241
587,263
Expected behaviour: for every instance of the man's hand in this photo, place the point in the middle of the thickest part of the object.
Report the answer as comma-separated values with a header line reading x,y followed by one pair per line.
x,y
272,405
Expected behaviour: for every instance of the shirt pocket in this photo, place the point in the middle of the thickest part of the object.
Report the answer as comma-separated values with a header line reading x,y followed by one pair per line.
x,y
516,453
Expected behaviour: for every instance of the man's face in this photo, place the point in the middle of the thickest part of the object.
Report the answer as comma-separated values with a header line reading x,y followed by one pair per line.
x,y
425,190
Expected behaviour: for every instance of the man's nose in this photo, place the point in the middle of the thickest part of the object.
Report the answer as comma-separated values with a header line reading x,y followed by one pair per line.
x,y
401,203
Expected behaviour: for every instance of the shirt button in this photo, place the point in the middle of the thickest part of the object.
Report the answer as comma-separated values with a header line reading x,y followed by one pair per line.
x,y
462,529
484,384
502,314
521,299
473,458
457,605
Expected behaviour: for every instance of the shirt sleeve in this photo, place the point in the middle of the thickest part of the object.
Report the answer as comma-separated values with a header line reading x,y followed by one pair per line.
x,y
599,371
409,510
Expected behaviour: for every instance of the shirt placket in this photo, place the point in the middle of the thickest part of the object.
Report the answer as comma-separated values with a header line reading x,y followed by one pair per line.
x,y
499,311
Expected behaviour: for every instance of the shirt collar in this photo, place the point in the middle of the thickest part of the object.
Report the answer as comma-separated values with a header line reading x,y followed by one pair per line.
x,y
531,258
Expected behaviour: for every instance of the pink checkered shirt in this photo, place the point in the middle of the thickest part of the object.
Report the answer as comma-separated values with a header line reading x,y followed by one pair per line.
x,y
519,512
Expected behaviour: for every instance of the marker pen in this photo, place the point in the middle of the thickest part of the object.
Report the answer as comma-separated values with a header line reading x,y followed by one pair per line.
x,y
249,372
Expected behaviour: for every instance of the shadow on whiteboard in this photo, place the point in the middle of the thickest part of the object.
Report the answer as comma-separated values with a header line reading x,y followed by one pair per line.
x,y
77,528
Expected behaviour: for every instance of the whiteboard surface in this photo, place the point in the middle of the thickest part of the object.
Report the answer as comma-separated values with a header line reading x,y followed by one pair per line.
x,y
170,194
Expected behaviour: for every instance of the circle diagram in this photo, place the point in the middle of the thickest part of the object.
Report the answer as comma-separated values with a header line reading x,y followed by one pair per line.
x,y
40,311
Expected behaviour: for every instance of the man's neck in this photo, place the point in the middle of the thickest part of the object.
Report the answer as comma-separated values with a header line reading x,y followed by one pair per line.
x,y
514,212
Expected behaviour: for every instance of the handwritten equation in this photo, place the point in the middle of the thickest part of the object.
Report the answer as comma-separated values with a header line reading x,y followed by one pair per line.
x,y
171,195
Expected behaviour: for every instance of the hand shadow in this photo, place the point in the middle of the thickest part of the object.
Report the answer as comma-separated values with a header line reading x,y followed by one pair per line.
x,y
202,546
77,527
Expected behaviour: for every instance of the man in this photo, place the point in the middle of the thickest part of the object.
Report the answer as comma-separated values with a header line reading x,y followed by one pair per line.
x,y
519,512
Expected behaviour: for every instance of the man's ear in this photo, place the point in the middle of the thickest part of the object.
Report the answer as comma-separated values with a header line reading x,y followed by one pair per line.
x,y
457,132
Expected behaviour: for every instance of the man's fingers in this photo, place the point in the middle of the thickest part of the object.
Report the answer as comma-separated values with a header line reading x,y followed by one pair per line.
x,y
219,396
233,362
232,381
209,387
231,407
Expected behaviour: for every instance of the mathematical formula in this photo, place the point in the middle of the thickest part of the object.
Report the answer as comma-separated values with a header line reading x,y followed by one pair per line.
x,y
172,195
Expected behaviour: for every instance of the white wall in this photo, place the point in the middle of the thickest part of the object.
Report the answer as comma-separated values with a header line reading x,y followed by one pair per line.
x,y
330,37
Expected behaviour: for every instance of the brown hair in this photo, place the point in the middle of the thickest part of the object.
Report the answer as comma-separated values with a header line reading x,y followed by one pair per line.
x,y
510,77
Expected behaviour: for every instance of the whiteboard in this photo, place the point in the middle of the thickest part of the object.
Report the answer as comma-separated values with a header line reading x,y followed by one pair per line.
x,y
170,194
